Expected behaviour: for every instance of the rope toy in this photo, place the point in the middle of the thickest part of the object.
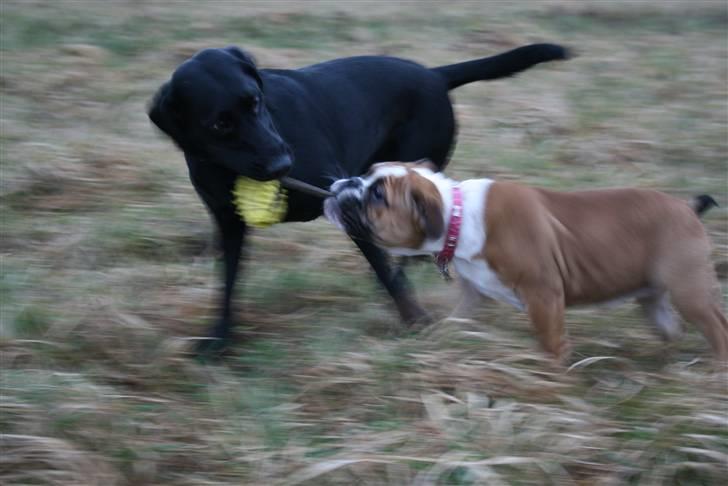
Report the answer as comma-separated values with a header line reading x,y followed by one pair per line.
x,y
260,204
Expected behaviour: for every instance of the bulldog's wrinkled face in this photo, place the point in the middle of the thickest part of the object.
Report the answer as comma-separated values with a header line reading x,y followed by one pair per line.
x,y
394,205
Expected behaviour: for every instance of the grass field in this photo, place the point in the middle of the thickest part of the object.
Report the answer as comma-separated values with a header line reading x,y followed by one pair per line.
x,y
108,266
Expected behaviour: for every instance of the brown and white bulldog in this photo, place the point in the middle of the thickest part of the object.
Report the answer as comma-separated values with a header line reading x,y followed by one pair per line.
x,y
542,250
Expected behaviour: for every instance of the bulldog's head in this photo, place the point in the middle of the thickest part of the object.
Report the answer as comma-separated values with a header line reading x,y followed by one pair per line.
x,y
395,205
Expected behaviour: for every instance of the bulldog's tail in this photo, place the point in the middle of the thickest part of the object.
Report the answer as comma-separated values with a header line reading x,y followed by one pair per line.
x,y
501,65
702,203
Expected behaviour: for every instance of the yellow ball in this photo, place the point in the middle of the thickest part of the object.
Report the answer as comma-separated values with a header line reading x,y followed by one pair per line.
x,y
260,204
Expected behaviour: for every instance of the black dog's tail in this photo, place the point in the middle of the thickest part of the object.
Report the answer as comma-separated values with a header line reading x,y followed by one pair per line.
x,y
702,203
501,65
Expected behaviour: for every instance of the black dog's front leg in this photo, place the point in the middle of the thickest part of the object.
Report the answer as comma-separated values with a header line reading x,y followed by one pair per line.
x,y
232,234
395,281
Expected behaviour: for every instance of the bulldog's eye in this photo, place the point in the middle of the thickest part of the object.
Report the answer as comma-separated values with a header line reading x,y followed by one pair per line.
x,y
377,194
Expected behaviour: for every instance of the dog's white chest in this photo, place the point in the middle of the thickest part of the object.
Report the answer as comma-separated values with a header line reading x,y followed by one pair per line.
x,y
472,242
486,281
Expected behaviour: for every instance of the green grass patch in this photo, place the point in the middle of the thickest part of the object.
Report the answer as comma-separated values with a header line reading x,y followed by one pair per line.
x,y
124,37
603,19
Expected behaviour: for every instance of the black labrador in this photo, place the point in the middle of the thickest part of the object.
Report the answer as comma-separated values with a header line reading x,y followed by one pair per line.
x,y
320,122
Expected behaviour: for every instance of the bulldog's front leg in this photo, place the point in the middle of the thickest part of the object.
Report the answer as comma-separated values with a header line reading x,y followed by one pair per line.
x,y
546,307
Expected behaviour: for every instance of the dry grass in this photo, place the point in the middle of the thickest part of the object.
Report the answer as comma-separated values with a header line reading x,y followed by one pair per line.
x,y
108,275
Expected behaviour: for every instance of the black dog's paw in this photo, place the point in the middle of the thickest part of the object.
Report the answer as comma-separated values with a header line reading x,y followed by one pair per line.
x,y
424,321
413,315
217,341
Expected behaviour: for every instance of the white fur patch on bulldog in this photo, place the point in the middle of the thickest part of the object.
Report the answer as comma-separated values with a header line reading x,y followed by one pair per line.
x,y
468,262
355,191
331,212
486,281
386,171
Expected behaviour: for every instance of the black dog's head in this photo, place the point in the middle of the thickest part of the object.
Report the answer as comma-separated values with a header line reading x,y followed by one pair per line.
x,y
214,109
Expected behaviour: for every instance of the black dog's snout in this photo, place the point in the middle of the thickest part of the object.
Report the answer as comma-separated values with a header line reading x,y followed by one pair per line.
x,y
280,166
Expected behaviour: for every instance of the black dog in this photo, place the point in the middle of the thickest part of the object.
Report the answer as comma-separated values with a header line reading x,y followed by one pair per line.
x,y
321,122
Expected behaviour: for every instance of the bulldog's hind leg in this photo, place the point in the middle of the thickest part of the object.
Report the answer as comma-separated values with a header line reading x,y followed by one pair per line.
x,y
658,311
696,299
695,292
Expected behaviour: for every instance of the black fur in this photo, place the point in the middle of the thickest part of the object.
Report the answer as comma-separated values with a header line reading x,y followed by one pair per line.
x,y
502,65
320,123
703,203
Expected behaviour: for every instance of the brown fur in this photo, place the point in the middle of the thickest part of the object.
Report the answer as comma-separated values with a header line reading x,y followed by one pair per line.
x,y
559,249
413,211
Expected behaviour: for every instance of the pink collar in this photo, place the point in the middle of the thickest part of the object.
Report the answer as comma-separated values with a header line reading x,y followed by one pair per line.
x,y
445,256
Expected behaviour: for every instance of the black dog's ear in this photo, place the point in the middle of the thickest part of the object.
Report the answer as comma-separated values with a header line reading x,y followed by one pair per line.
x,y
164,114
240,54
247,61
427,164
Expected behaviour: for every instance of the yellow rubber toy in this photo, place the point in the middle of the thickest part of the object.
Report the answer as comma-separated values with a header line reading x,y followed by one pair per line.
x,y
260,204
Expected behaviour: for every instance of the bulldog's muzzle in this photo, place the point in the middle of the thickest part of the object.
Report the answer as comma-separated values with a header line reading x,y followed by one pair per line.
x,y
346,207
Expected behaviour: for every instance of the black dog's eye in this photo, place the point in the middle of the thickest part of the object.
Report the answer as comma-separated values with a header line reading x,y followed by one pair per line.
x,y
222,126
250,104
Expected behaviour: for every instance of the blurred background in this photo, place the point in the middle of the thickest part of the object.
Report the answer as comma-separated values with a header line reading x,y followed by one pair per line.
x,y
108,264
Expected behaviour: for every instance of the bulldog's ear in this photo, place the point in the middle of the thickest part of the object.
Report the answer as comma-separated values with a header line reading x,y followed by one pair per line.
x,y
428,207
164,113
427,164
247,62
